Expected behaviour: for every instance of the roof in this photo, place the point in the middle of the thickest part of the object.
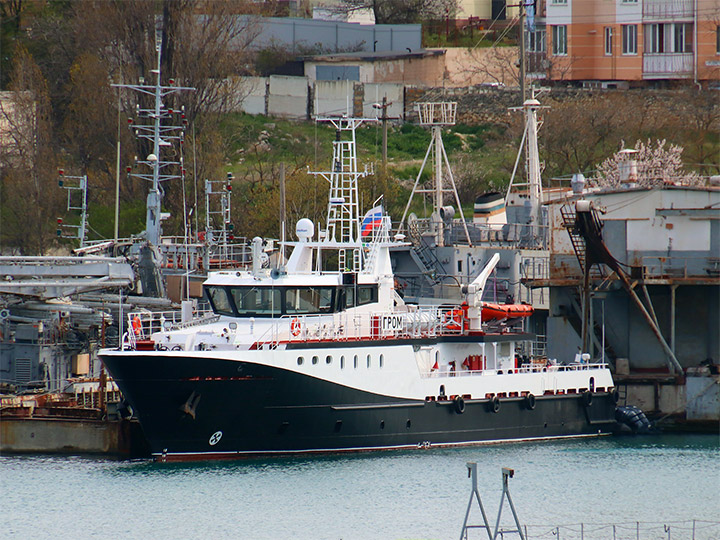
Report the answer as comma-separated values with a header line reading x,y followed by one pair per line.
x,y
373,56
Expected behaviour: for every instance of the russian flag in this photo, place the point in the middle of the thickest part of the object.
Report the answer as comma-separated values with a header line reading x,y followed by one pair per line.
x,y
371,221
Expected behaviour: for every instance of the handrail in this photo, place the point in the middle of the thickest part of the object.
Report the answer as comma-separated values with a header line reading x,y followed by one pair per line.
x,y
417,322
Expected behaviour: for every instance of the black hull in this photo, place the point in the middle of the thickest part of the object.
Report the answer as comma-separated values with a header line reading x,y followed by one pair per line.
x,y
206,409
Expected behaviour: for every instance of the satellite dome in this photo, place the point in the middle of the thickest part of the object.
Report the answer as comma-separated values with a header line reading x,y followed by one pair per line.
x,y
305,229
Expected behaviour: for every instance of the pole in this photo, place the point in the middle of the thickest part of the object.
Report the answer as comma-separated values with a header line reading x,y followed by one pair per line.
x,y
283,211
384,139
117,177
523,67
586,304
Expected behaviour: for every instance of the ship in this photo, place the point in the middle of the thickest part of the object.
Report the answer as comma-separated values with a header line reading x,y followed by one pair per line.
x,y
320,353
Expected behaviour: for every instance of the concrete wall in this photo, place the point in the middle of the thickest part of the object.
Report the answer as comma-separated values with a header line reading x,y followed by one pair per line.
x,y
374,93
703,395
334,98
296,97
288,97
337,36
254,90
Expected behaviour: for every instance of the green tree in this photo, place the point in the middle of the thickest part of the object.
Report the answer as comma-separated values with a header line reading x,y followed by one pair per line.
x,y
29,194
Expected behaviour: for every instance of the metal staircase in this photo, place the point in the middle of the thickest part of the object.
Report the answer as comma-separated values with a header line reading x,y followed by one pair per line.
x,y
425,257
578,242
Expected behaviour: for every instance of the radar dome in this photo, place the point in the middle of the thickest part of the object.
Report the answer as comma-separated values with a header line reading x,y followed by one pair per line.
x,y
305,229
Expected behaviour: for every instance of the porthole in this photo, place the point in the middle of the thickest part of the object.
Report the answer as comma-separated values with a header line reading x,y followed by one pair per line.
x,y
328,359
314,360
355,361
382,360
300,360
382,424
368,361
408,424
342,362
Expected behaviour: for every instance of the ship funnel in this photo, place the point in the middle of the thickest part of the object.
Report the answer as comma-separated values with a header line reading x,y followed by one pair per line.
x,y
577,183
490,210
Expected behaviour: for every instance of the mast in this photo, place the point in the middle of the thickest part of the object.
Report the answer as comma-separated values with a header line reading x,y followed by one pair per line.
x,y
437,115
160,136
532,161
343,214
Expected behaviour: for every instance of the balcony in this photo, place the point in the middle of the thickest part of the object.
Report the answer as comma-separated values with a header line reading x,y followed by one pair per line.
x,y
667,66
667,10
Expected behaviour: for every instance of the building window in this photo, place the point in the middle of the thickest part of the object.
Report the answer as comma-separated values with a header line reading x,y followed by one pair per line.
x,y
561,2
668,38
536,41
717,40
682,38
629,35
559,37
608,41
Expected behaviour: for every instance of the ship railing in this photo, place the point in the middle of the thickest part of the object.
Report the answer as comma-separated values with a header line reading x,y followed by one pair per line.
x,y
515,234
416,322
538,347
655,266
143,324
535,367
180,256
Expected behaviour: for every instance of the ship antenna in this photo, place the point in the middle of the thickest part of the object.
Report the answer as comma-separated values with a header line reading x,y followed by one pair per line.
x,y
159,135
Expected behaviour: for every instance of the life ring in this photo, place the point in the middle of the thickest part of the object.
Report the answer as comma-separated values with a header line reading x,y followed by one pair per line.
x,y
137,325
530,401
295,327
587,398
494,404
453,319
459,403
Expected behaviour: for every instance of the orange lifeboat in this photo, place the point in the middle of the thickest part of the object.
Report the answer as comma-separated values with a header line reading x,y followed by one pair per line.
x,y
499,312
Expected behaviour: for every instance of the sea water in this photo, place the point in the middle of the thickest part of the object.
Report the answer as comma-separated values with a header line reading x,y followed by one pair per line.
x,y
648,487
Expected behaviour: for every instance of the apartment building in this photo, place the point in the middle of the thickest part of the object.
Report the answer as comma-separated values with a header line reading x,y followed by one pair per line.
x,y
619,42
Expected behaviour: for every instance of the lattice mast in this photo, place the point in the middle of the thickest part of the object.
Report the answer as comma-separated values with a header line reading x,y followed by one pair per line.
x,y
161,137
343,214
77,200
436,116
218,228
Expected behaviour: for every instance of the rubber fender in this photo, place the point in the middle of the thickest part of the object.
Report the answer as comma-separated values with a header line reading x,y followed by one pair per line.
x,y
530,401
495,404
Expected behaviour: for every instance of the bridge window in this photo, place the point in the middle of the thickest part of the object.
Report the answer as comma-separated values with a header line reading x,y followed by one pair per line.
x,y
219,300
309,300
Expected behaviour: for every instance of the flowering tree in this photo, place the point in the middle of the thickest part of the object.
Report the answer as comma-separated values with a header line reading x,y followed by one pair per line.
x,y
657,165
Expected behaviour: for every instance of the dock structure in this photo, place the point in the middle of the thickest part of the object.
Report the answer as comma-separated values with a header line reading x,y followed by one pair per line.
x,y
652,301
